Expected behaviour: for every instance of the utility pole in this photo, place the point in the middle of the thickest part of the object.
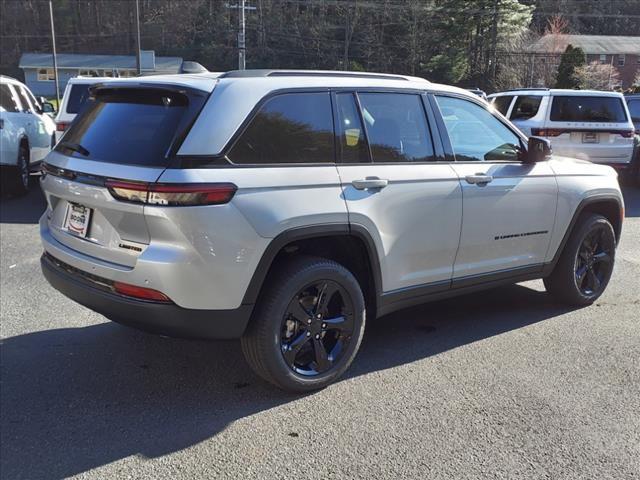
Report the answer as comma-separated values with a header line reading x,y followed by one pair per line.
x,y
242,46
55,56
138,53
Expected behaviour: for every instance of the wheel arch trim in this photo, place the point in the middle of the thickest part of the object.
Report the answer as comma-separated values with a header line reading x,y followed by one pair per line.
x,y
308,232
582,206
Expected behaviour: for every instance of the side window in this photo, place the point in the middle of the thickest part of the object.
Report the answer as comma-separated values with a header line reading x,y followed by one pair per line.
x,y
475,134
7,102
397,127
502,103
24,100
353,144
634,110
289,128
525,107
32,99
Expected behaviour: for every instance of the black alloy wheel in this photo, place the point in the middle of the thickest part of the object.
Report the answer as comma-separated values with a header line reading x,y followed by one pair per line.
x,y
585,266
594,262
307,325
317,328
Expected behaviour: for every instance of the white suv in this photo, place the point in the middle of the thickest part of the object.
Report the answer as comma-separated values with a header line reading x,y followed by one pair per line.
x,y
76,94
585,124
285,207
26,134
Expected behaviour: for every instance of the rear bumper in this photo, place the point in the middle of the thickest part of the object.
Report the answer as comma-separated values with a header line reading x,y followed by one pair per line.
x,y
161,318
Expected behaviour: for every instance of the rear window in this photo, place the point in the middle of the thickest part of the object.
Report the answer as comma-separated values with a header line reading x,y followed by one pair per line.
x,y
127,126
289,128
78,96
502,104
525,107
575,108
397,128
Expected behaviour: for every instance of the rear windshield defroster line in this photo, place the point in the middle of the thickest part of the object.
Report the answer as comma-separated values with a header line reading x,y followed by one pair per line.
x,y
133,126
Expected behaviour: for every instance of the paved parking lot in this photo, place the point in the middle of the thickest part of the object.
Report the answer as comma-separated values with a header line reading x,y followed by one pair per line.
x,y
499,384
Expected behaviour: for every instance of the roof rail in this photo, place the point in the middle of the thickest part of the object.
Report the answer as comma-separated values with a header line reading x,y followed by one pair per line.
x,y
533,89
310,73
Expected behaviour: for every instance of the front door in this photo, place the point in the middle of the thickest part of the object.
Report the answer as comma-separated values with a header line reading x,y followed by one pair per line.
x,y
508,206
410,205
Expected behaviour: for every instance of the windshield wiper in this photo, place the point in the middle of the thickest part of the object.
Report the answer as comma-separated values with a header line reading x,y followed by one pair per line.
x,y
76,147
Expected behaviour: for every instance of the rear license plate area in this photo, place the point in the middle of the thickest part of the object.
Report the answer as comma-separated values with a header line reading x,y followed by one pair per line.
x,y
77,219
590,137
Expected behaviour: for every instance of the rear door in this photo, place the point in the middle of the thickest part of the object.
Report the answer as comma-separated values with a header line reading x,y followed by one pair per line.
x,y
508,206
124,134
397,186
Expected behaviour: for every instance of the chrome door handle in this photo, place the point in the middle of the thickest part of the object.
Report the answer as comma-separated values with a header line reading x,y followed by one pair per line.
x,y
370,182
478,179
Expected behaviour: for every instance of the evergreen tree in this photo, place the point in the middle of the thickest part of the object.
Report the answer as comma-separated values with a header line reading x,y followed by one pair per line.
x,y
571,59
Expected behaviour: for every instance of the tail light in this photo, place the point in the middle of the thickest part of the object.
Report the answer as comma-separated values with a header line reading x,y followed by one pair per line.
x,y
546,132
172,194
627,133
140,292
61,126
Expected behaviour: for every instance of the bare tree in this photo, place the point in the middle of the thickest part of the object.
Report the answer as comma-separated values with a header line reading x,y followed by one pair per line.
x,y
597,76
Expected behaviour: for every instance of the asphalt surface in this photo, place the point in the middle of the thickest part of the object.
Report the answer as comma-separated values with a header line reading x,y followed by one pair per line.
x,y
500,384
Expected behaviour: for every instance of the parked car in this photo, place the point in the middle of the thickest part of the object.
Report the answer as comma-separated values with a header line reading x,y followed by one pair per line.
x,y
287,208
633,103
75,96
27,134
585,124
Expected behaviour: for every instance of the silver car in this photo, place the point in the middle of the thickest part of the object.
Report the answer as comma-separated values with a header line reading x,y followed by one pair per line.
x,y
288,207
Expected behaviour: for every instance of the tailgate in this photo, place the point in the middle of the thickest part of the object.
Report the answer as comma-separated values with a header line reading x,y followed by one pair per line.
x,y
125,134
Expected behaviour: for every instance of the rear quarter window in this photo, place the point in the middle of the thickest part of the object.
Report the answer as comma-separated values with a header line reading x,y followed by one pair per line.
x,y
502,104
7,101
574,108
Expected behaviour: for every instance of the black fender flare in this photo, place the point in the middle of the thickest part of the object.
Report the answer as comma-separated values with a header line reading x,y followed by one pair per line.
x,y
312,231
586,202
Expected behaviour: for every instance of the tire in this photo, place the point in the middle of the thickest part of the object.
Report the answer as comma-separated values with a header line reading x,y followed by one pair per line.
x,y
285,339
572,280
19,176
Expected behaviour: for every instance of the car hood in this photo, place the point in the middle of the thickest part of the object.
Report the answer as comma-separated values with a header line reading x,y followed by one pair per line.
x,y
575,166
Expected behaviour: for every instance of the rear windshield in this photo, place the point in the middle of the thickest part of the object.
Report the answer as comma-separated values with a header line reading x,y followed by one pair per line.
x,y
587,109
502,104
77,97
126,126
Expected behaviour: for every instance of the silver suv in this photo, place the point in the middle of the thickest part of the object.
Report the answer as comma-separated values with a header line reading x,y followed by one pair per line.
x,y
286,207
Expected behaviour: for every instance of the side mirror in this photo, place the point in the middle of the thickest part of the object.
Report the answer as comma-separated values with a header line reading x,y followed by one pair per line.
x,y
47,107
538,150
